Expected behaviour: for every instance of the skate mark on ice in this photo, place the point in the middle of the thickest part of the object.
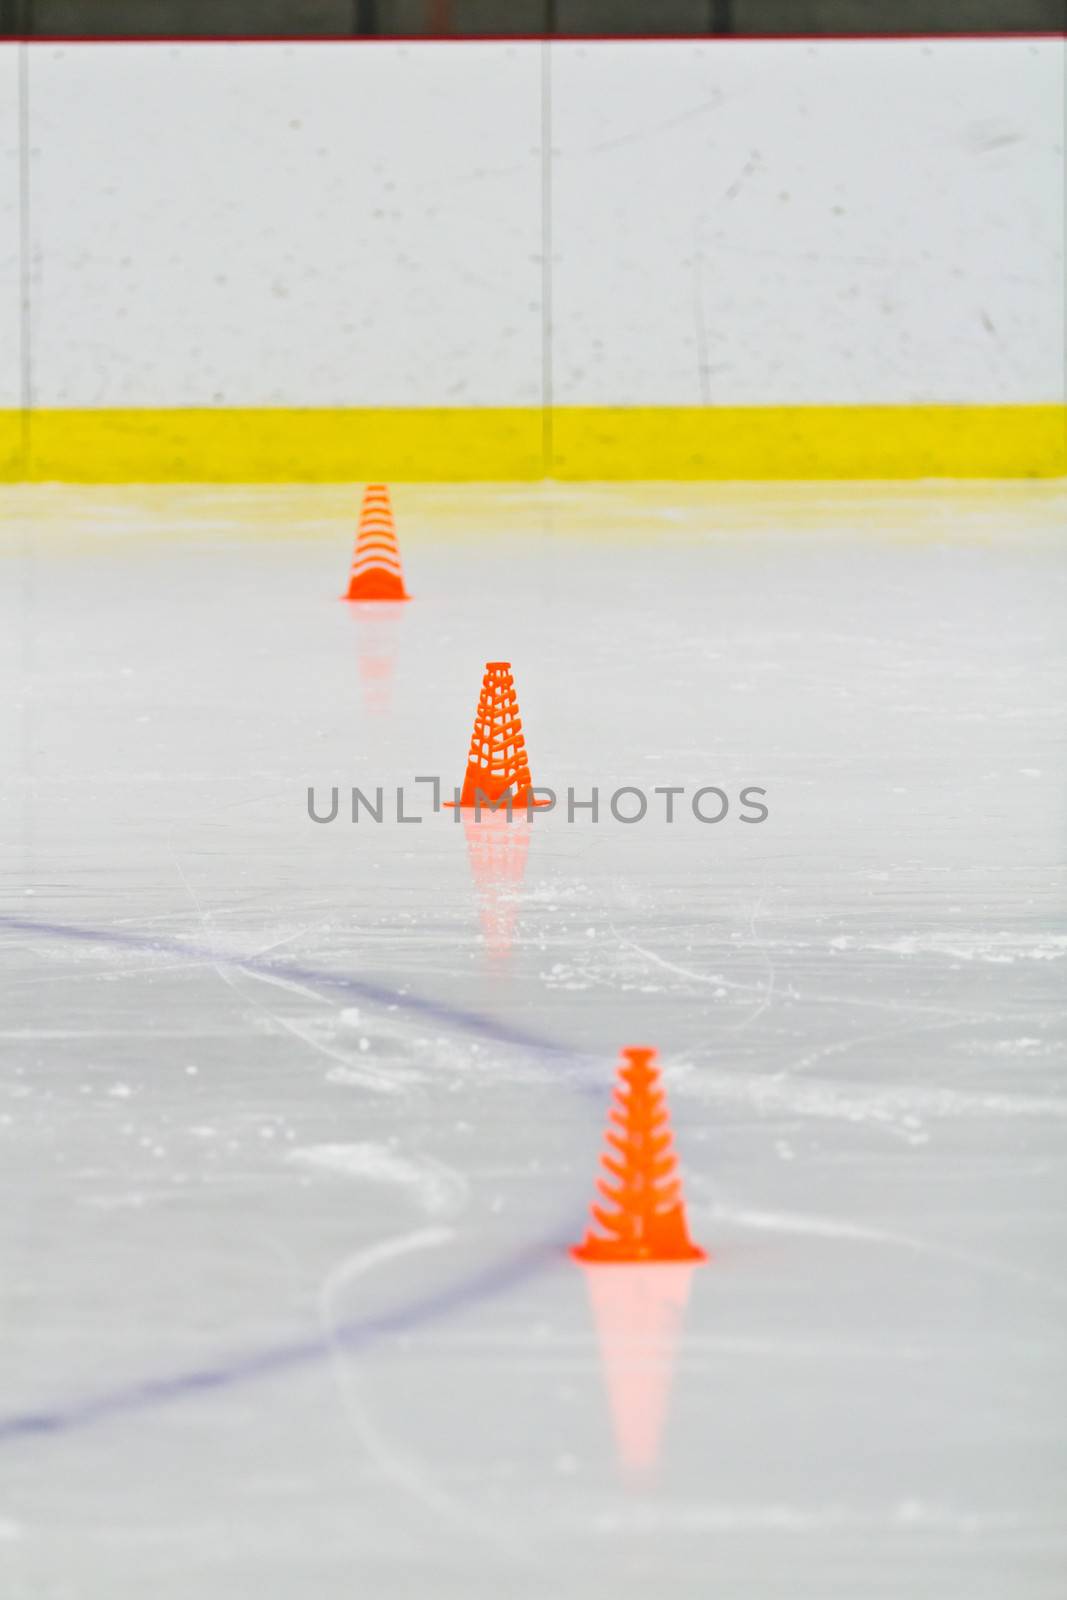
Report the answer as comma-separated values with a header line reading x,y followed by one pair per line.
x,y
395,1465
273,1361
906,1517
890,1104
439,1189
855,1041
365,1075
814,997
374,993
863,1233
763,992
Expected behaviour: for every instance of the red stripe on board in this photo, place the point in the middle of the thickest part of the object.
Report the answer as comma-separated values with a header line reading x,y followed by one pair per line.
x,y
516,38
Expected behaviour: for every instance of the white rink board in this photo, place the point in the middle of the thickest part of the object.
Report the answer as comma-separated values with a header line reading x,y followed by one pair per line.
x,y
764,223
287,225
10,384
795,223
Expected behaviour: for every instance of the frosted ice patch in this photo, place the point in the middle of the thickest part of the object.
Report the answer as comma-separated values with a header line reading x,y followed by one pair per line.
x,y
998,948
1008,1047
436,1188
898,1105
906,1515
9,1531
550,894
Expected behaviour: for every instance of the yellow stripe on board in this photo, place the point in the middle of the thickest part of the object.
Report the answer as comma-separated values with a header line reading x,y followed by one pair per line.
x,y
757,442
715,442
281,446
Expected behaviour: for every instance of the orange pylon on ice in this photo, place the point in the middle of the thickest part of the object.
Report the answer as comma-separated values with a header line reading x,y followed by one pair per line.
x,y
645,1217
496,763
376,571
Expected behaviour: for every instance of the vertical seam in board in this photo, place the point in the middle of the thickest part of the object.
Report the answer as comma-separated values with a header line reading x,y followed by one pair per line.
x,y
25,332
546,260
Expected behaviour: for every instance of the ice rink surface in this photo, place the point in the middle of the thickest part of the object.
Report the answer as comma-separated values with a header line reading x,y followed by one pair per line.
x,y
297,1119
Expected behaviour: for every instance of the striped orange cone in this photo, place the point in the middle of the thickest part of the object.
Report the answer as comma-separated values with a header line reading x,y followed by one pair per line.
x,y
645,1218
497,768
376,571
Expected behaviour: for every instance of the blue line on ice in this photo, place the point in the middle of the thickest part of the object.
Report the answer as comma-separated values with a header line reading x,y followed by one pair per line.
x,y
272,1360
378,994
267,1363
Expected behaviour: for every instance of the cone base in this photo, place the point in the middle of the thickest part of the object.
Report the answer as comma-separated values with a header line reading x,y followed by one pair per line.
x,y
598,1252
489,811
376,586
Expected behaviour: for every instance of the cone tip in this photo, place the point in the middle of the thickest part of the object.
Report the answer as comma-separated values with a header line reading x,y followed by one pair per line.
x,y
639,1055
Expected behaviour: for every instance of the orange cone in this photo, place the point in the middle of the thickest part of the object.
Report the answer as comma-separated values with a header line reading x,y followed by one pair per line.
x,y
376,571
497,760
646,1219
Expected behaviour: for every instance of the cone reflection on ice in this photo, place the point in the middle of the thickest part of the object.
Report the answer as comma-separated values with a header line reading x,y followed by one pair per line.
x,y
377,642
497,848
639,1313
645,1217
376,678
496,763
376,571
